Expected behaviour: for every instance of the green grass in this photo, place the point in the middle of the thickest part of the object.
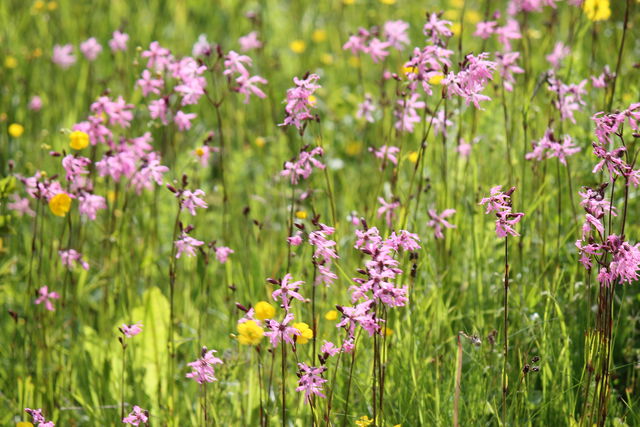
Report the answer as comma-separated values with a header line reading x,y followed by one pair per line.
x,y
68,362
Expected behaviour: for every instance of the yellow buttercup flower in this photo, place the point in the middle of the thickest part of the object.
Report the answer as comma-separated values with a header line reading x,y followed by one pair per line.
x,y
348,2
413,157
436,80
24,424
298,46
364,421
60,204
301,214
264,310
260,141
331,315
78,140
597,10
111,196
326,58
305,333
16,130
388,1
52,5
386,331
353,148
456,28
250,333
10,62
319,35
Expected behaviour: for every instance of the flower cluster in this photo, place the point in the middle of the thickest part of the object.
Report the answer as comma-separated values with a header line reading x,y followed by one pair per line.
x,y
302,167
549,147
300,100
472,78
203,368
38,418
500,203
246,84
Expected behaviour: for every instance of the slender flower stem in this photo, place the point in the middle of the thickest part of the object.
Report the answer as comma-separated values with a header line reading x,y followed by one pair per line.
x,y
284,384
506,331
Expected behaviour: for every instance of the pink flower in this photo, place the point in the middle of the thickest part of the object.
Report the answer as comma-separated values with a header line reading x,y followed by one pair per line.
x,y
71,257
35,104
149,84
119,112
137,416
46,297
191,200
505,222
37,416
366,109
89,204
405,113
329,349
559,52
203,371
158,57
63,56
377,49
21,206
249,42
386,152
202,47
396,34
298,108
472,79
509,32
281,331
131,330
295,240
485,29
187,244
436,29
248,85
287,291
388,210
310,381
438,222
501,203
234,63
507,67
90,48
158,109
303,166
119,41
183,120
357,42
222,254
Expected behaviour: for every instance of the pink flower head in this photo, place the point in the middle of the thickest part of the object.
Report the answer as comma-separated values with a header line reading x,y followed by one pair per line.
x,y
287,291
202,47
396,34
249,42
295,240
437,29
377,49
158,58
310,381
366,109
137,416
222,254
234,63
89,204
45,297
90,48
281,331
298,108
148,84
20,206
471,79
388,210
183,120
38,418
71,257
485,29
303,166
35,104
131,330
559,52
191,200
248,85
329,349
203,368
119,41
386,152
507,67
187,244
63,56
405,113
438,222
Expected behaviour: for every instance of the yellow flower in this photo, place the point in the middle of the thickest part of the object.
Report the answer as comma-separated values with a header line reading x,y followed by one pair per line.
x,y
78,140
326,58
305,332
312,100
260,141
60,204
199,151
436,79
37,53
408,70
456,28
348,2
388,1
319,35
597,10
16,130
297,46
301,214
354,61
364,421
472,16
24,424
353,148
111,196
250,333
386,331
413,157
52,5
10,62
331,315
264,310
